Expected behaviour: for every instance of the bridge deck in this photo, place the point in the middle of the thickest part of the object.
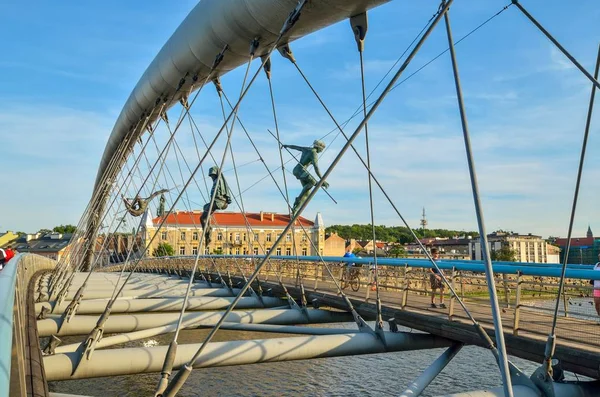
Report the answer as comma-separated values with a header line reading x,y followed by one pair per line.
x,y
578,345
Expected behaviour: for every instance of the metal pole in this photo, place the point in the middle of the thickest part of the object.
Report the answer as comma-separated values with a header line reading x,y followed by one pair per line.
x,y
489,271
551,342
112,362
587,74
418,385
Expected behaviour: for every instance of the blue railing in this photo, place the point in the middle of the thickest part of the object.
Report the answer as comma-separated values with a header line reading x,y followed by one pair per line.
x,y
583,272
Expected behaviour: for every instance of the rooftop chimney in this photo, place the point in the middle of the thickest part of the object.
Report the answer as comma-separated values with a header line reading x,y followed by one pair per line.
x,y
262,216
272,217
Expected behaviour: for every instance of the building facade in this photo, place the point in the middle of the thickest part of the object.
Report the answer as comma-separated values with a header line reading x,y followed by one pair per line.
x,y
527,247
334,245
583,250
52,245
7,238
231,235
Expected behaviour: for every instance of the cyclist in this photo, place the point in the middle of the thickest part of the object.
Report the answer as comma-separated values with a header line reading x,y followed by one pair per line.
x,y
349,265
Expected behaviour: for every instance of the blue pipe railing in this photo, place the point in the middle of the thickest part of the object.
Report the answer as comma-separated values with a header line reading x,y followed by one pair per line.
x,y
527,269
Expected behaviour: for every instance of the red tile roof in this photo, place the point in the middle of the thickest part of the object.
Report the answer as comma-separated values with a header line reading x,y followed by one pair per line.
x,y
232,219
575,241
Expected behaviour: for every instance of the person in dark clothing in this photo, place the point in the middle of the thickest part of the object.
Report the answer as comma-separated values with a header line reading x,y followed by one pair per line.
x,y
435,279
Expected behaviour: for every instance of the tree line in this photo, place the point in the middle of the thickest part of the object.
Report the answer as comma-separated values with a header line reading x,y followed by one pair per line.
x,y
393,234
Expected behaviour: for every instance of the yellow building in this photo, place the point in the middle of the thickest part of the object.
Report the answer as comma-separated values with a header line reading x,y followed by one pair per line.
x,y
334,245
231,236
7,237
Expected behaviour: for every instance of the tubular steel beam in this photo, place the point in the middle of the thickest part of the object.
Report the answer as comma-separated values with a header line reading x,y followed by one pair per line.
x,y
81,325
416,388
489,271
218,354
164,292
168,304
147,333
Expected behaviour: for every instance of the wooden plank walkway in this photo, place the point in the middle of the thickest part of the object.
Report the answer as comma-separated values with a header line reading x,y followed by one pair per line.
x,y
578,341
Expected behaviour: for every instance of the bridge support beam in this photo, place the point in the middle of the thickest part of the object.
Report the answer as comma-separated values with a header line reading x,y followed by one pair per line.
x,y
166,304
218,354
82,325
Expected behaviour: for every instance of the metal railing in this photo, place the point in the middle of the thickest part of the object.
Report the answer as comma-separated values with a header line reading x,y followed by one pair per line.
x,y
16,374
526,292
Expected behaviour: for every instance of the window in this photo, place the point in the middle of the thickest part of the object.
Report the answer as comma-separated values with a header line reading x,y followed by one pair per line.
x,y
278,235
245,252
182,237
255,250
288,237
230,236
288,251
278,251
163,235
237,251
237,237
255,236
303,236
220,237
182,250
195,236
304,251
267,249
268,238
194,250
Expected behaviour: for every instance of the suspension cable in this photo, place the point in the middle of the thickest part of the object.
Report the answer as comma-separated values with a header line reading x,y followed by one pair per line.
x,y
360,25
551,342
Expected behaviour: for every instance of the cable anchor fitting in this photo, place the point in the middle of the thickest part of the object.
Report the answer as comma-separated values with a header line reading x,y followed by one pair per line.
x,y
293,17
360,25
287,53
219,57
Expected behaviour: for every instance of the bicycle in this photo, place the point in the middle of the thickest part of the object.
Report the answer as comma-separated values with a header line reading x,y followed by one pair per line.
x,y
351,277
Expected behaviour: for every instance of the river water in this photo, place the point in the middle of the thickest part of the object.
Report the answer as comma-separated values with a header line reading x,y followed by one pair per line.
x,y
369,375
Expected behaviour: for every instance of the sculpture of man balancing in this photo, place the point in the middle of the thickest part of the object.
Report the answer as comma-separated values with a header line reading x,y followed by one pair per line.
x,y
309,156
222,200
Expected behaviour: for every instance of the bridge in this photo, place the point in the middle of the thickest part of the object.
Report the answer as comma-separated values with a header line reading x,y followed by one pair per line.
x,y
83,318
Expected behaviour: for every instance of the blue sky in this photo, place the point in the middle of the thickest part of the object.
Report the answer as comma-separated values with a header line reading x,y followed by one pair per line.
x,y
67,68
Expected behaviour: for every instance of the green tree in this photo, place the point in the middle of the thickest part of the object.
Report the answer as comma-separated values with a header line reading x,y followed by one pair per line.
x,y
396,252
43,232
218,251
505,254
163,249
64,229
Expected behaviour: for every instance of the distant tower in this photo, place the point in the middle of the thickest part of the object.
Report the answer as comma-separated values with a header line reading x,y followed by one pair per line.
x,y
423,220
589,232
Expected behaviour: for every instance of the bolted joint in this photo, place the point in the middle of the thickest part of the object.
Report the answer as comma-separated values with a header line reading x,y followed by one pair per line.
x,y
293,17
287,53
217,82
43,313
219,57
254,46
359,24
53,343
266,59
178,381
181,83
